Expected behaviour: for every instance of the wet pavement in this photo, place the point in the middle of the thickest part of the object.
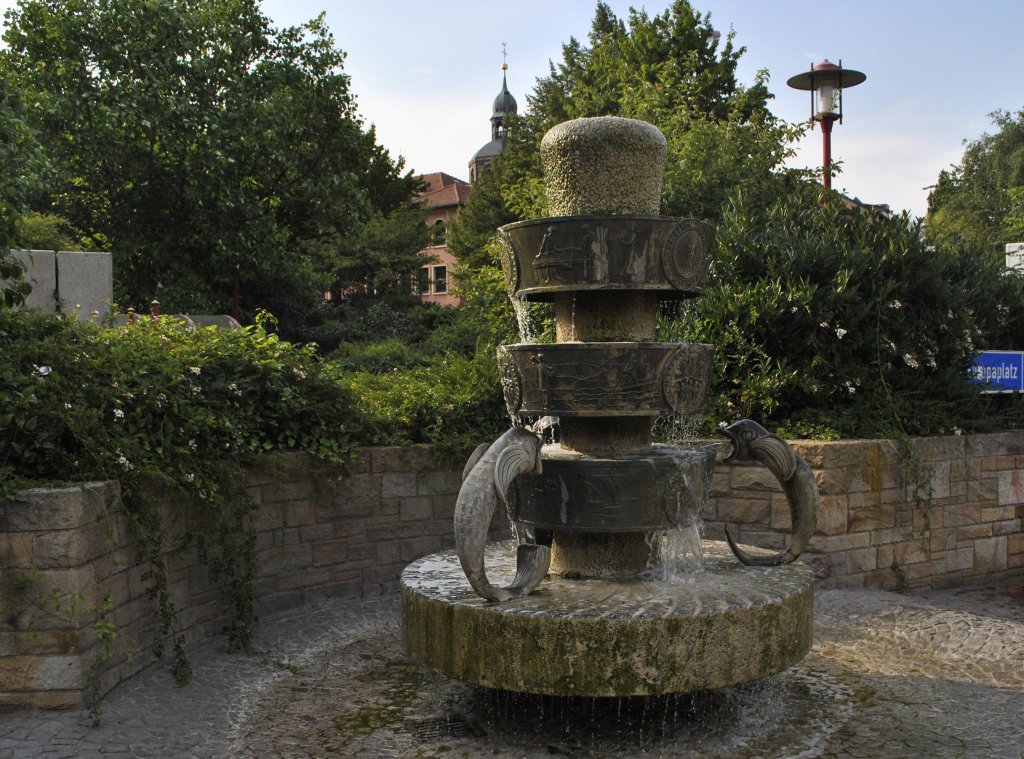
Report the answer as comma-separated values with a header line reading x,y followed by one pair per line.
x,y
937,673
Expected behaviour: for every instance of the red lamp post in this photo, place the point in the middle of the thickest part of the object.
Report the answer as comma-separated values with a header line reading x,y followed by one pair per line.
x,y
826,83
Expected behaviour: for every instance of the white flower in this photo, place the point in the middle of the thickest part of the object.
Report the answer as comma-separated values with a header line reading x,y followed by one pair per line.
x,y
851,388
43,371
124,462
67,406
896,304
195,369
190,477
910,361
192,444
301,374
840,332
823,325
118,413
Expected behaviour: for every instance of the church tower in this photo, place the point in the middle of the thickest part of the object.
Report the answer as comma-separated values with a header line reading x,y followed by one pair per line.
x,y
504,106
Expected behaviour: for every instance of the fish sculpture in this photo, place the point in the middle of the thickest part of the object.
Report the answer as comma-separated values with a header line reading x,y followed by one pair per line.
x,y
485,481
752,442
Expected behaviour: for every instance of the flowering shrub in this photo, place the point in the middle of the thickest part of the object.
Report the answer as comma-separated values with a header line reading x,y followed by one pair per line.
x,y
830,324
162,407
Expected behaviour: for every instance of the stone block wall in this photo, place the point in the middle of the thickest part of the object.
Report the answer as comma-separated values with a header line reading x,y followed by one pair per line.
x,y
320,532
928,513
952,515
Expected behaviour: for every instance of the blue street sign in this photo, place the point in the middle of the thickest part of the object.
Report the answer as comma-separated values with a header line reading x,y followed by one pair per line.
x,y
999,371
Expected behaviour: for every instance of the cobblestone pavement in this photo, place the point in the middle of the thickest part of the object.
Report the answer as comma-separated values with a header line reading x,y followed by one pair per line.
x,y
938,673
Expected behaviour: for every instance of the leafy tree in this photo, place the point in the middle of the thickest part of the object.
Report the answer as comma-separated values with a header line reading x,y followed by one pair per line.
x,y
972,204
1015,216
667,70
204,147
18,153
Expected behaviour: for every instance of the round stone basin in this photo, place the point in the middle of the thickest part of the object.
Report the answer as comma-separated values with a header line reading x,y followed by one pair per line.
x,y
729,624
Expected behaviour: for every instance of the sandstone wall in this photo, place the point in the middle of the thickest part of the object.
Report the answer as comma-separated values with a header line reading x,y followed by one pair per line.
x,y
946,511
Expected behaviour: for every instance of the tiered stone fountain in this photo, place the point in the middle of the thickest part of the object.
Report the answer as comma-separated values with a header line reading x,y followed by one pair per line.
x,y
582,608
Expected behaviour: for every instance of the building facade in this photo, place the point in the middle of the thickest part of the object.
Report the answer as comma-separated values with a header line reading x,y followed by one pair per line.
x,y
442,198
444,195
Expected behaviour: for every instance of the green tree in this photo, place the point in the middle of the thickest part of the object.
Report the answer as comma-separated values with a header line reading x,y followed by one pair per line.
x,y
19,153
972,203
202,147
667,69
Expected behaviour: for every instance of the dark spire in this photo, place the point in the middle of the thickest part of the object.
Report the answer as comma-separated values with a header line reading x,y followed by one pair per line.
x,y
504,105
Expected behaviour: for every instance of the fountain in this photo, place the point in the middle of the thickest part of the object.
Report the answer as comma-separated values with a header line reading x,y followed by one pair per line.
x,y
586,604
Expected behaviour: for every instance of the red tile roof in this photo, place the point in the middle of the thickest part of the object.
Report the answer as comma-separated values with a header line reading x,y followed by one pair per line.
x,y
443,190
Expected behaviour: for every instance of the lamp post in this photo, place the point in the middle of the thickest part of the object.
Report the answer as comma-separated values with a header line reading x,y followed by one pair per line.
x,y
826,83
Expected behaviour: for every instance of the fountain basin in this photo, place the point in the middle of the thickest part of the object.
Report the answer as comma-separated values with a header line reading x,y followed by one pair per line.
x,y
730,624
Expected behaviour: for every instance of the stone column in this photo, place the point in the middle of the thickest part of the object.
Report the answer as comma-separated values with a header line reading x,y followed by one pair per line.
x,y
604,166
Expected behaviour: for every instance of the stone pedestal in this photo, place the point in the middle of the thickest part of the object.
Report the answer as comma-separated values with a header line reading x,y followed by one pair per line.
x,y
727,625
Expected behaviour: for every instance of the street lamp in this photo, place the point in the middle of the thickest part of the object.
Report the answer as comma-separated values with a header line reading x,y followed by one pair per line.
x,y
826,83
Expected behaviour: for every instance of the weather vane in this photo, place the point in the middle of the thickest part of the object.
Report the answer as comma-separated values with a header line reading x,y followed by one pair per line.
x,y
504,56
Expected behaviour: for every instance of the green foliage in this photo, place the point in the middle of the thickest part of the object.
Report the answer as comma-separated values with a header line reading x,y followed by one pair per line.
x,y
972,204
1014,220
166,409
454,403
202,147
667,69
19,152
827,324
18,155
45,231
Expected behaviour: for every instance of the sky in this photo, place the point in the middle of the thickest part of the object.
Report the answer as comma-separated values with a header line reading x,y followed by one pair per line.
x,y
425,73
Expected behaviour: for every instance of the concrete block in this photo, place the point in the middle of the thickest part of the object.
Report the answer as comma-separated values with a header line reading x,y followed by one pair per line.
x,y
398,485
990,555
415,458
911,552
744,511
415,509
41,273
861,560
984,490
833,515
85,283
356,496
753,478
53,509
438,483
1011,487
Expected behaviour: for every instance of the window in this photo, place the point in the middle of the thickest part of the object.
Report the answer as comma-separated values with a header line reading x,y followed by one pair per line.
x,y
423,283
438,233
440,279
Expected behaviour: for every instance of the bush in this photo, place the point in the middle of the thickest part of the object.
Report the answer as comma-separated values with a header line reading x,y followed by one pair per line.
x,y
455,403
164,408
829,324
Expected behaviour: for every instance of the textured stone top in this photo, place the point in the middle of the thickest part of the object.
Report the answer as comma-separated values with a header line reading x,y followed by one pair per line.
x,y
603,165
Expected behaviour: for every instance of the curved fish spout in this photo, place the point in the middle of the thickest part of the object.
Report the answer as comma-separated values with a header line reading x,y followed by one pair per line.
x,y
752,442
485,481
